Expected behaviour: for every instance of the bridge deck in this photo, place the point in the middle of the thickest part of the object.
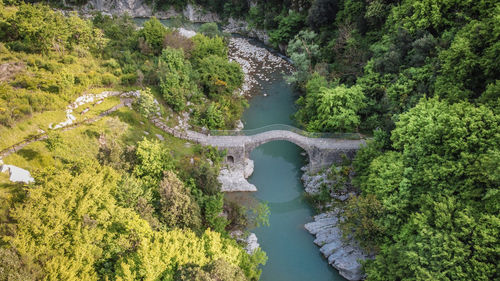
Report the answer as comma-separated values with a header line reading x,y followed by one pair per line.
x,y
261,138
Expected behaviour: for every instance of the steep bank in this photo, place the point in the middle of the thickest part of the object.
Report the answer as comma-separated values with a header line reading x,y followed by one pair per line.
x,y
140,9
344,254
192,13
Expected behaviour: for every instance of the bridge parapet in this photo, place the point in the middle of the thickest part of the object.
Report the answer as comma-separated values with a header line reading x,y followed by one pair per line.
x,y
283,127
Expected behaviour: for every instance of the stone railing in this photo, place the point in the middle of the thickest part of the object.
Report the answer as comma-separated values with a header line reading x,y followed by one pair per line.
x,y
282,127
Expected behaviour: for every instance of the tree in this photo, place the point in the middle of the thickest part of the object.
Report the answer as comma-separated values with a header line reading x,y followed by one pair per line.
x,y
362,215
153,158
288,27
338,109
437,196
304,52
175,80
36,28
210,29
307,103
322,13
146,104
205,46
177,207
53,140
212,118
154,33
218,77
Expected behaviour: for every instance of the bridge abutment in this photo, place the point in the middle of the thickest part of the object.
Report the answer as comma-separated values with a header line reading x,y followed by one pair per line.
x,y
324,158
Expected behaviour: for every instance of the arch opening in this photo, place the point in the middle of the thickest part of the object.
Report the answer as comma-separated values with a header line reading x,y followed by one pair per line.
x,y
230,159
304,150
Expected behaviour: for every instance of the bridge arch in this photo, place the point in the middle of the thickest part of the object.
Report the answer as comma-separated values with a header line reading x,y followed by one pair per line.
x,y
249,147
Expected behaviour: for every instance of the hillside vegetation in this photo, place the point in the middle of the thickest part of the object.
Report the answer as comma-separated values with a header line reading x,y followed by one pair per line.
x,y
421,76
110,201
424,77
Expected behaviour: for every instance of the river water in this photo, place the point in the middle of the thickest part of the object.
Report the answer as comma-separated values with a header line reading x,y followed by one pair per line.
x,y
292,255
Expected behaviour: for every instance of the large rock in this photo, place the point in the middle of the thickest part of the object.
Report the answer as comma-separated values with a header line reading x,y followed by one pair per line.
x,y
250,241
344,255
16,174
252,244
242,27
233,177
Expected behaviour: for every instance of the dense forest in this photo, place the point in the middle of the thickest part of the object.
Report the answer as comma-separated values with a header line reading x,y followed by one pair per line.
x,y
421,77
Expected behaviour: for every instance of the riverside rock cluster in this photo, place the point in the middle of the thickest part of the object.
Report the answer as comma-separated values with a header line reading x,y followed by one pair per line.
x,y
234,177
256,62
344,254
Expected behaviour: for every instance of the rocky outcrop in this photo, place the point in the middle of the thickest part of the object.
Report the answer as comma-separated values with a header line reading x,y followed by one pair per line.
x,y
140,9
233,177
344,255
314,181
196,13
250,241
242,27
16,174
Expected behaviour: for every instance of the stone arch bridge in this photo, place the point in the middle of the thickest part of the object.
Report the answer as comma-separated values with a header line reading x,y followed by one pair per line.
x,y
323,149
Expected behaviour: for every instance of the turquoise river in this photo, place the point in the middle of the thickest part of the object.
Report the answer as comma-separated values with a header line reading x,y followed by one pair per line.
x,y
292,255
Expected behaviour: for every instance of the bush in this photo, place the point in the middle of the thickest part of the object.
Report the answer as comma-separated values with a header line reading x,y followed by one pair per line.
x,y
129,79
108,79
205,46
154,33
288,26
218,77
210,29
175,80
146,104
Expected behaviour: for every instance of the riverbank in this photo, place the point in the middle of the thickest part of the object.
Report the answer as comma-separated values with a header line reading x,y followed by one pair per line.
x,y
342,251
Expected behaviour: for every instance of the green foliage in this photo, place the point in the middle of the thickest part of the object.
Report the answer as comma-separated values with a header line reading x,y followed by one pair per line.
x,y
304,52
71,228
69,212
219,77
154,33
322,13
146,104
205,46
212,118
177,207
308,103
289,25
36,28
361,215
175,80
216,270
213,208
426,203
471,61
338,109
259,215
53,140
210,29
57,67
153,158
